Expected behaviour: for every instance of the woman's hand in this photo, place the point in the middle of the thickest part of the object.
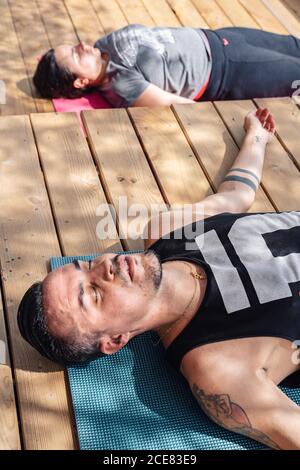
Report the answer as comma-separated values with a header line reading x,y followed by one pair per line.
x,y
261,123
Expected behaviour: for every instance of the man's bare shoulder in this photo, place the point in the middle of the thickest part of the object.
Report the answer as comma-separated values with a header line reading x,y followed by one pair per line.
x,y
236,391
169,221
207,365
226,361
228,201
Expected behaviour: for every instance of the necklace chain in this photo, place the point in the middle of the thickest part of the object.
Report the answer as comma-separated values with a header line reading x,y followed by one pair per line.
x,y
196,276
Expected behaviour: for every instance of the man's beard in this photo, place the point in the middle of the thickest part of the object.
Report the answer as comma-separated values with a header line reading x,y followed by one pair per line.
x,y
151,264
154,268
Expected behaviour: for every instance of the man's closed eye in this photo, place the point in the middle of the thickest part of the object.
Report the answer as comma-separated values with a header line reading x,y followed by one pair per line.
x,y
96,294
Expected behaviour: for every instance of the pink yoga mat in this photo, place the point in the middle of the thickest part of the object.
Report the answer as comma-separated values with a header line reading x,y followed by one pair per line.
x,y
91,101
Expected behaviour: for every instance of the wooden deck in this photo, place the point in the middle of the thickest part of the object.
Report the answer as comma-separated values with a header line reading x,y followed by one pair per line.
x,y
52,178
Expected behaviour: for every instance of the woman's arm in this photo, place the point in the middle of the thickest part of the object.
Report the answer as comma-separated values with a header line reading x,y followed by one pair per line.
x,y
154,96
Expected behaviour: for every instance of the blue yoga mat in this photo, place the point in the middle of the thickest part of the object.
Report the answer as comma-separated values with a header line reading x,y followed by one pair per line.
x,y
135,400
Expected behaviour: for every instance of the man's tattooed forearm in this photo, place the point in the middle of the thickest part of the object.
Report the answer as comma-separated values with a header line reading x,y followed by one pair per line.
x,y
257,139
230,415
242,180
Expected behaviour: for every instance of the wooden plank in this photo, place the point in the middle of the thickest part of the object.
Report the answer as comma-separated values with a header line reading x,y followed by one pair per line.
x,y
85,20
27,240
263,16
287,117
293,6
33,42
15,91
109,14
161,13
71,175
124,170
284,16
279,171
187,13
213,15
237,13
213,145
58,24
9,436
135,12
180,176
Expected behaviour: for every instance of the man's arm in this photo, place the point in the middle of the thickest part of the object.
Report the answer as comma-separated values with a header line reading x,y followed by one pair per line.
x,y
243,179
251,405
155,96
238,190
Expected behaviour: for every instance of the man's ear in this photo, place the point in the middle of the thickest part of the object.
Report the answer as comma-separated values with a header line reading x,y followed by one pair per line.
x,y
81,82
112,344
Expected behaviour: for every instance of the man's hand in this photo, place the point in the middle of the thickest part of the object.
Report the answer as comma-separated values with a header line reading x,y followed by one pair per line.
x,y
261,123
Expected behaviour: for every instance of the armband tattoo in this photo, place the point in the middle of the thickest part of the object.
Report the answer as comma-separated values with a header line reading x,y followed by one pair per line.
x,y
242,170
240,179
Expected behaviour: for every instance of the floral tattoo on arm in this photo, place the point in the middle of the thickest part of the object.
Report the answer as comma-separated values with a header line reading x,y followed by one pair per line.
x,y
227,414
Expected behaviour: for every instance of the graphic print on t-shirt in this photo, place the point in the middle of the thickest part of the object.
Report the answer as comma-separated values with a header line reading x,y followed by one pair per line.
x,y
256,241
128,41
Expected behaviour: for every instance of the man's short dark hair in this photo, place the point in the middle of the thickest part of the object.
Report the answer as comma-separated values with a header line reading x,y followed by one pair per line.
x,y
53,81
33,327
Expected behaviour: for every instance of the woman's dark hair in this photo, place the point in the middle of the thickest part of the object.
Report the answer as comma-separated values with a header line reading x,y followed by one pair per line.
x,y
33,327
53,81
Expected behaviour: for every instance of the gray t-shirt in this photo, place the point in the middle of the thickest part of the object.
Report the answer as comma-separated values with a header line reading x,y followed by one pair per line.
x,y
177,60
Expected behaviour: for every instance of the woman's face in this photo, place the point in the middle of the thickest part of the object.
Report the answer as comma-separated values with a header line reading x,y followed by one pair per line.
x,y
82,60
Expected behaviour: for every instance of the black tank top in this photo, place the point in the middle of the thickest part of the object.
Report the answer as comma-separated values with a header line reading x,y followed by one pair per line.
x,y
252,262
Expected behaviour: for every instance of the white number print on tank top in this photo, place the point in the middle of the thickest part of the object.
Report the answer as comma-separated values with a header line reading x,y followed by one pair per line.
x,y
269,275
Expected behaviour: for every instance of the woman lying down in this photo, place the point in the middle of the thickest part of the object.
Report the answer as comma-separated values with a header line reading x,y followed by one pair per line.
x,y
140,66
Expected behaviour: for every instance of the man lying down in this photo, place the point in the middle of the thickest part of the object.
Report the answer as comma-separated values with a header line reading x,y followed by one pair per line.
x,y
222,294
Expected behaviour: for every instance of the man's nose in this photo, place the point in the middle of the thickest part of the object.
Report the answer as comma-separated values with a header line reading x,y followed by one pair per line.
x,y
105,270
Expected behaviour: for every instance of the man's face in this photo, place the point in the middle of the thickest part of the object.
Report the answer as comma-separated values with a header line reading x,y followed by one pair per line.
x,y
111,294
82,60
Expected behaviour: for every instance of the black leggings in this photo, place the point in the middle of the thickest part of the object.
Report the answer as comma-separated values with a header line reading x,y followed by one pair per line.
x,y
249,63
